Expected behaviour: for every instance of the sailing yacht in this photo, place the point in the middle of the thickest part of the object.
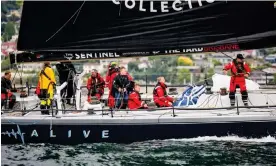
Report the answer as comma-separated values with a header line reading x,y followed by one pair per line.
x,y
75,30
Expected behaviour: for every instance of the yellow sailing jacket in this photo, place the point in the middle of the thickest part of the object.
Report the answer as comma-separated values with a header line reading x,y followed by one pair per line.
x,y
44,81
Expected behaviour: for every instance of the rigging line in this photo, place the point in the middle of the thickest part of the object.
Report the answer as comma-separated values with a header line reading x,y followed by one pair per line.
x,y
21,82
205,101
120,8
217,101
79,12
158,120
227,55
65,23
220,100
249,101
209,99
14,75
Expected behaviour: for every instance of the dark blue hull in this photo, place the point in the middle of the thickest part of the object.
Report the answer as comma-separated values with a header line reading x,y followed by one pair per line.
x,y
127,133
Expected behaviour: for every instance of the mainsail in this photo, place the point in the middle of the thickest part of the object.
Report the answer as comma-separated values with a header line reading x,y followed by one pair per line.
x,y
76,30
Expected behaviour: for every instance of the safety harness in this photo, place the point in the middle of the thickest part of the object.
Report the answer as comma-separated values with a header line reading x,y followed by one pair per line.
x,y
240,69
43,93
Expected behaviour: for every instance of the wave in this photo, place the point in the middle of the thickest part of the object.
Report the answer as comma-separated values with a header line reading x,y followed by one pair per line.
x,y
208,150
268,139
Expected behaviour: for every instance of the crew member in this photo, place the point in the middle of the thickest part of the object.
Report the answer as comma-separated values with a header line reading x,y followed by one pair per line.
x,y
112,72
239,71
134,99
6,96
160,97
95,85
66,72
47,83
120,87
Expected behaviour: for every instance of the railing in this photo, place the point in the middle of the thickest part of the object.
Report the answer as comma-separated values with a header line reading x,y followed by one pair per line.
x,y
169,109
149,109
173,110
172,80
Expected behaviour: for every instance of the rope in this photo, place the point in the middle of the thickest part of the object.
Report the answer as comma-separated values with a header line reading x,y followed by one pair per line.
x,y
217,100
205,101
220,100
162,115
122,95
120,8
166,108
78,12
66,23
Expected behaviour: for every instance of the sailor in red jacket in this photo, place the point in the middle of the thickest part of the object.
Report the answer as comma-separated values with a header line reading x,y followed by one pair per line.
x,y
112,72
6,95
160,97
134,99
239,71
95,85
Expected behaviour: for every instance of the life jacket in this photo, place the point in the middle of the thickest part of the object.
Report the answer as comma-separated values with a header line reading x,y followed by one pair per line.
x,y
134,98
138,94
96,85
45,83
111,74
237,69
163,86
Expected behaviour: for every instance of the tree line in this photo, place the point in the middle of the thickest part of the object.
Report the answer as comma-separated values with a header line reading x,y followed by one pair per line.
x,y
9,21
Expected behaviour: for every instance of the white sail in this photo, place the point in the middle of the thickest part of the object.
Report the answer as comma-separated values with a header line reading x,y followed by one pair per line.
x,y
223,81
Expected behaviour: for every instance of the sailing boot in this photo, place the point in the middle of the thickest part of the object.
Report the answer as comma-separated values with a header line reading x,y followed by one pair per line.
x,y
245,98
47,110
232,98
43,107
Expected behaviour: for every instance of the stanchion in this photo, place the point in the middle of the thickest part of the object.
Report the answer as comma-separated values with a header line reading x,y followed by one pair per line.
x,y
238,112
173,112
146,83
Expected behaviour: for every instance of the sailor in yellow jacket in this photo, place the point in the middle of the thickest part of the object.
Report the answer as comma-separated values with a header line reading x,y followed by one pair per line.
x,y
47,82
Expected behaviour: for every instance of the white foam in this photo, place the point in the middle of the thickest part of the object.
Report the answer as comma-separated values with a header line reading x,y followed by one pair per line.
x,y
268,139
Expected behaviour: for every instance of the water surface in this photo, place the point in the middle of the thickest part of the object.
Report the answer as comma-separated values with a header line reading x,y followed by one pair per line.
x,y
229,150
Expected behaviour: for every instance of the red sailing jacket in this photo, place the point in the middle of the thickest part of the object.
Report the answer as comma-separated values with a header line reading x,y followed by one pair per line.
x,y
160,96
235,72
134,100
5,85
4,96
110,78
99,81
37,90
